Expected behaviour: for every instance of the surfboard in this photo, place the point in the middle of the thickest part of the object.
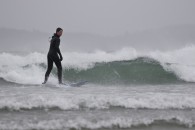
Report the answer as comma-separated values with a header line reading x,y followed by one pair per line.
x,y
76,84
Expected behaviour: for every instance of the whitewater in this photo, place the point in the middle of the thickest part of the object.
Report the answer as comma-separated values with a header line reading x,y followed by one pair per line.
x,y
127,89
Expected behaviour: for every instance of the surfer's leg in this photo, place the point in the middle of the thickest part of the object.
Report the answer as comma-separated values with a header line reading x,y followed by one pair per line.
x,y
59,67
49,68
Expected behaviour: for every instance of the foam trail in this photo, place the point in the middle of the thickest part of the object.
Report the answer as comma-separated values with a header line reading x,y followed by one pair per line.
x,y
67,101
80,123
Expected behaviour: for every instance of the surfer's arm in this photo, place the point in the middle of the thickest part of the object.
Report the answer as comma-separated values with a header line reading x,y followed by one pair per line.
x,y
57,44
59,52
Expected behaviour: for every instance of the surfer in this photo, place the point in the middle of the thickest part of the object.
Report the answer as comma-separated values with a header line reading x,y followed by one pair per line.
x,y
54,55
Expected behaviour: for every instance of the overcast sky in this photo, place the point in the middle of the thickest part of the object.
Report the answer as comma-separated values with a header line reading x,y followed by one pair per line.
x,y
105,17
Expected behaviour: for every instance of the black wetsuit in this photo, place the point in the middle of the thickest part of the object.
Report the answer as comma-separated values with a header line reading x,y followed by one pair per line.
x,y
52,56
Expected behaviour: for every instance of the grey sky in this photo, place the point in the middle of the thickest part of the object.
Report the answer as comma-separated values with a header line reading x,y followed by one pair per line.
x,y
106,17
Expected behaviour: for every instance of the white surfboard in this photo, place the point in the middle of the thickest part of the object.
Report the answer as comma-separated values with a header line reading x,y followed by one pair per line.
x,y
77,84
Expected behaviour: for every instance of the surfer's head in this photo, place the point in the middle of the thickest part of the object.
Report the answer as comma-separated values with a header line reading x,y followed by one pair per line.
x,y
59,31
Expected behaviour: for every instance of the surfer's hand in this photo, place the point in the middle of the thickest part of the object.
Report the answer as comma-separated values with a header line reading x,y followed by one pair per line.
x,y
61,58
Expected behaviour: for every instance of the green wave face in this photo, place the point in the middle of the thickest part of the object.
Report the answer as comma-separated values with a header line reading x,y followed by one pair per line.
x,y
138,71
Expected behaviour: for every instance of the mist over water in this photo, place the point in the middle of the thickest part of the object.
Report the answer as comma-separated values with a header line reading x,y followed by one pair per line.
x,y
163,39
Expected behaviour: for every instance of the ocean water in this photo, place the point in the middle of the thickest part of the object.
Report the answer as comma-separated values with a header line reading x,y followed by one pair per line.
x,y
126,89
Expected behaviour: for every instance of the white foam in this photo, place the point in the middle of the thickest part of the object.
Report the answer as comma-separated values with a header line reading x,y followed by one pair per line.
x,y
70,101
79,123
23,69
87,60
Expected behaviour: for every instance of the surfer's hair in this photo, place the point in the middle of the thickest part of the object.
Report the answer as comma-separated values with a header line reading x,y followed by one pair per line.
x,y
58,29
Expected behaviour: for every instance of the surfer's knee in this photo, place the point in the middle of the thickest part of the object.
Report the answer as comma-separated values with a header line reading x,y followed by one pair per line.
x,y
59,68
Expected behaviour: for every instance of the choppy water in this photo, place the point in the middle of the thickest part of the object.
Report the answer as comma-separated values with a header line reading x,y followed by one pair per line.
x,y
126,90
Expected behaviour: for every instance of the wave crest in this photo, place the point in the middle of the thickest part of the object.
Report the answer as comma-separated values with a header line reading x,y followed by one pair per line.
x,y
126,66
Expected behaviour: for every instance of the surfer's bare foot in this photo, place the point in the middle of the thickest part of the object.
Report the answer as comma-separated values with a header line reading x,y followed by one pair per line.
x,y
44,82
62,83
